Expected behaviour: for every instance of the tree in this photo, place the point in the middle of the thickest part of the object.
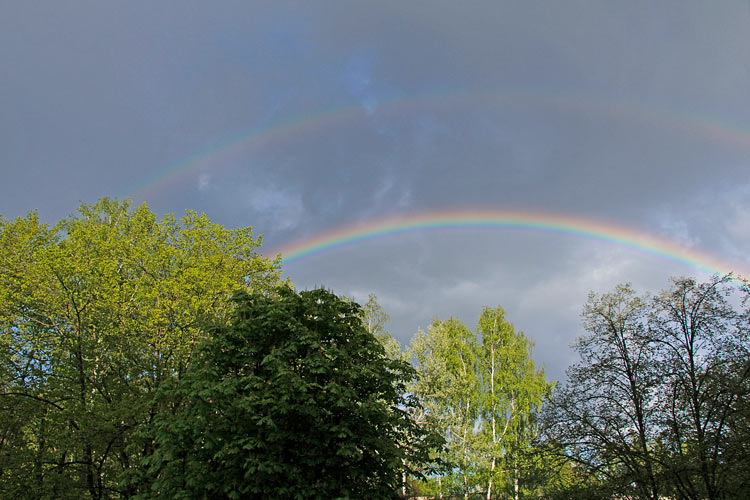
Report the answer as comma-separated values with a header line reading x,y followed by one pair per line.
x,y
96,313
604,418
658,404
705,373
293,399
375,318
735,377
512,392
483,391
447,386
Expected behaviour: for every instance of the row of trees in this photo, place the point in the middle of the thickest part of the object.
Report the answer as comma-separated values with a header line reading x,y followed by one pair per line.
x,y
148,359
144,358
658,405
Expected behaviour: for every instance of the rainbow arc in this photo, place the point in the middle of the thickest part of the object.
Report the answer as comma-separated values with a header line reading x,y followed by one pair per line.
x,y
218,155
572,226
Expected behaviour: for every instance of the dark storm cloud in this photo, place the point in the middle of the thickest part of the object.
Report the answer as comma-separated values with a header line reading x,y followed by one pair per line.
x,y
635,113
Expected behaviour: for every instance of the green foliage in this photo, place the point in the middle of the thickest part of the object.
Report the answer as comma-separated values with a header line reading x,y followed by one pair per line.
x,y
96,313
448,388
512,391
293,399
483,392
375,318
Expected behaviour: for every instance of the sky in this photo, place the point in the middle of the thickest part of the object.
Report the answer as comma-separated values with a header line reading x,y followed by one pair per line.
x,y
599,142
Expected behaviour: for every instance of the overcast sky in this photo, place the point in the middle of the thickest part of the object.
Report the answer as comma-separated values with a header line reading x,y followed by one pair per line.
x,y
298,118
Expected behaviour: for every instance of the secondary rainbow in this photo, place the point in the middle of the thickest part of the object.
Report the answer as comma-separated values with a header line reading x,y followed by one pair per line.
x,y
215,156
567,225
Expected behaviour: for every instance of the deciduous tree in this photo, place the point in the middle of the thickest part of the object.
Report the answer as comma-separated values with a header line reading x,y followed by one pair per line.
x,y
448,388
658,404
604,417
704,374
484,392
375,320
512,392
96,313
293,399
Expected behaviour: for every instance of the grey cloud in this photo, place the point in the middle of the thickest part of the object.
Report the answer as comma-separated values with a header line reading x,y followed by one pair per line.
x,y
633,113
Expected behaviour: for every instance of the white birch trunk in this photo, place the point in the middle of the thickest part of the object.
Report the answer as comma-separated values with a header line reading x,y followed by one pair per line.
x,y
494,411
489,486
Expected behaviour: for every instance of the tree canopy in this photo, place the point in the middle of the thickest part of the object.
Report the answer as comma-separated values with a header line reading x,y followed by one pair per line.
x,y
144,358
293,399
96,313
483,392
658,405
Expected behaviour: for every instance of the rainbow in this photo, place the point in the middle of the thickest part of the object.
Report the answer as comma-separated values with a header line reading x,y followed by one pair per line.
x,y
565,225
216,155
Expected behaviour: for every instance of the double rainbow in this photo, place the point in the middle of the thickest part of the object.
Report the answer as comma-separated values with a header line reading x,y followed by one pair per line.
x,y
705,127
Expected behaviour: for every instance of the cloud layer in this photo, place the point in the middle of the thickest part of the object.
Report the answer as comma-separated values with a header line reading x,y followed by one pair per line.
x,y
634,113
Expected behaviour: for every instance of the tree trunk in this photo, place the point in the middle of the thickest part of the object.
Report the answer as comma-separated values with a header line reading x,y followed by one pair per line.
x,y
489,484
494,411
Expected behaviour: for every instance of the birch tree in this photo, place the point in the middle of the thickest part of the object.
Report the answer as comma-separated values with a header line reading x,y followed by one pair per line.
x,y
375,319
484,391
447,385
512,391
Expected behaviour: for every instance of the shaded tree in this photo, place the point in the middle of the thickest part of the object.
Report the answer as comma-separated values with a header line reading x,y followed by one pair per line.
x,y
704,378
603,418
658,404
293,399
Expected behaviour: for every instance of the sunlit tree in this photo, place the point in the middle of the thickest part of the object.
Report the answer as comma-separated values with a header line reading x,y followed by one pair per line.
x,y
96,313
511,395
483,391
